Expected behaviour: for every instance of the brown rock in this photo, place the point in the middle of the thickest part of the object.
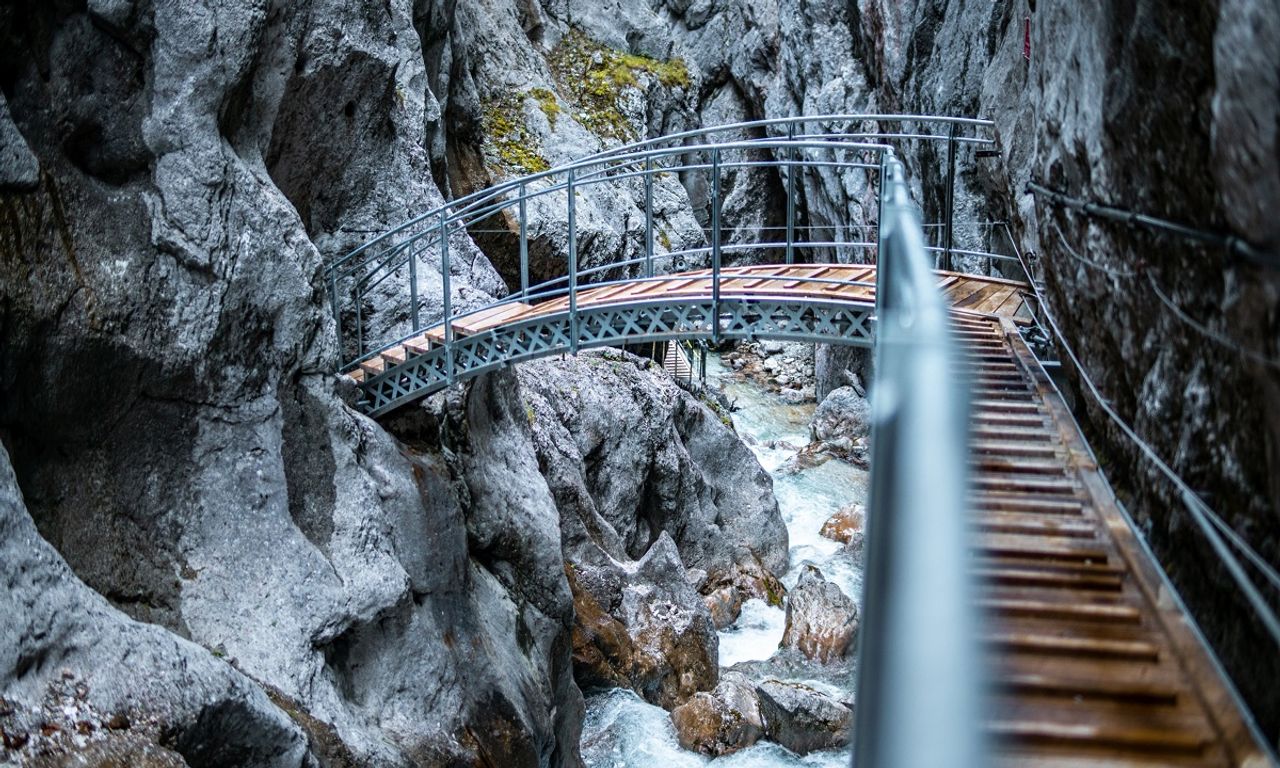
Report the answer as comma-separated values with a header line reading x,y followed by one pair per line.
x,y
803,719
721,722
724,604
822,622
846,524
14,741
643,627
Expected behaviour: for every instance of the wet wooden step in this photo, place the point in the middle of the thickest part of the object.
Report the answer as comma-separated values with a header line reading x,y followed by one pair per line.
x,y
1089,647
1034,548
1102,736
1116,614
1028,503
1049,579
1022,524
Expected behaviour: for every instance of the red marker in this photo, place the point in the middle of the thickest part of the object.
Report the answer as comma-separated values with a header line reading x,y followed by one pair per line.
x,y
1026,42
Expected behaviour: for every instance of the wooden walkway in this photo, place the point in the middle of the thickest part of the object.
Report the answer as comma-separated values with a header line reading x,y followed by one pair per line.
x,y
1093,662
854,283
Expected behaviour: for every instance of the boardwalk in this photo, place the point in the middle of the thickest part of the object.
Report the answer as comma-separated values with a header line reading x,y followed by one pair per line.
x,y
1093,663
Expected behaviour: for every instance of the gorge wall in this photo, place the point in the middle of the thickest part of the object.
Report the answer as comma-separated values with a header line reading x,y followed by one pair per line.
x,y
176,174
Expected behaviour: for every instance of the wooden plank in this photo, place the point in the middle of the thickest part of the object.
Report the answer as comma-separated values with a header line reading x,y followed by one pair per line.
x,y
962,290
478,322
1035,577
1053,645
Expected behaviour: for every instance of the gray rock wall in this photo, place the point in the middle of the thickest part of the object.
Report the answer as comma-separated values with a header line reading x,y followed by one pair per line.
x,y
173,176
1168,110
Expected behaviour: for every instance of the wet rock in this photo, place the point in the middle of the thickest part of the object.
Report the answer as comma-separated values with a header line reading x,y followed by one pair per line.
x,y
19,169
722,721
822,622
784,368
629,455
843,414
803,719
642,626
846,524
724,604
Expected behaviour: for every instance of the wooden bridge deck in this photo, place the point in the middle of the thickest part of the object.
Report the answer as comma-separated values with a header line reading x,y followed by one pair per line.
x,y
1093,662
854,283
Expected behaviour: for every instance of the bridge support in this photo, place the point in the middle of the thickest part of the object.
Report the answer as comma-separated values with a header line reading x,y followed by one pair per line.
x,y
792,169
648,217
948,220
445,270
524,242
573,266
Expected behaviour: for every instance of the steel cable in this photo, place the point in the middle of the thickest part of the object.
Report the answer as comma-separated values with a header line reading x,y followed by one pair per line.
x,y
1208,521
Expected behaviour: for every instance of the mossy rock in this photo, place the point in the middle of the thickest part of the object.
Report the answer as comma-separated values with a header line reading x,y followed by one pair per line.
x,y
596,76
509,138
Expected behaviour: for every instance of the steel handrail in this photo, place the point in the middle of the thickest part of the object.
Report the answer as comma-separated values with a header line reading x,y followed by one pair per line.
x,y
459,207
367,268
700,132
920,688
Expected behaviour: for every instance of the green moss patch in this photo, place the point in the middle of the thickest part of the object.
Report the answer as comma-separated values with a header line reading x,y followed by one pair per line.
x,y
596,76
548,103
509,138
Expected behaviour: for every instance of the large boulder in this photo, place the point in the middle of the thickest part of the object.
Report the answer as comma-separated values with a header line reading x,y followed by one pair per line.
x,y
841,426
842,414
629,455
803,719
722,721
822,621
642,626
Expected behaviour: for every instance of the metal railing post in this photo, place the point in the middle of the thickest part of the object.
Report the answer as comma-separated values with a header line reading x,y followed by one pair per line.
x,y
573,266
413,283
948,230
715,246
791,194
524,243
882,231
337,319
445,269
359,325
648,217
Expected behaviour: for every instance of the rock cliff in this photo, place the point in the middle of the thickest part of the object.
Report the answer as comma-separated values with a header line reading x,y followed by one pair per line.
x,y
173,176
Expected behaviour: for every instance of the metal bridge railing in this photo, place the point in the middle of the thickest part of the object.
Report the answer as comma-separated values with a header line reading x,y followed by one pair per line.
x,y
920,688
790,145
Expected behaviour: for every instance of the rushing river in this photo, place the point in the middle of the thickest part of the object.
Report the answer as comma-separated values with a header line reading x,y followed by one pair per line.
x,y
621,729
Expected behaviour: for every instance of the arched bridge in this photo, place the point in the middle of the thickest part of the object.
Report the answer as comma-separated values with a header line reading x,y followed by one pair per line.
x,y
1012,614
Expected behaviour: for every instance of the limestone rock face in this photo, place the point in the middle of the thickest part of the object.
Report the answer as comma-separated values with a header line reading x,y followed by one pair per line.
x,y
822,621
722,721
628,455
803,719
166,355
643,627
62,643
